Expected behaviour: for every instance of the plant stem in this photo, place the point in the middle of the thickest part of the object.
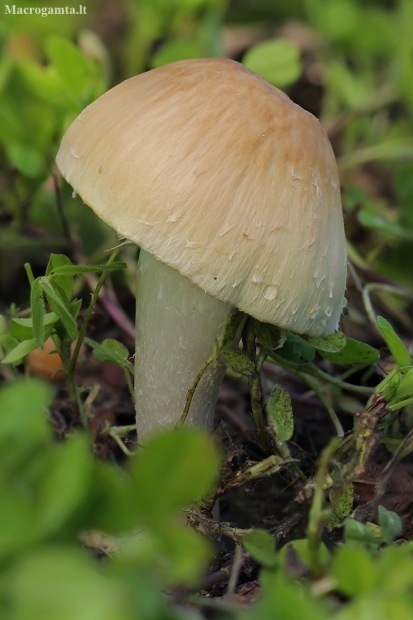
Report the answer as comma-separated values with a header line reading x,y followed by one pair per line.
x,y
315,516
89,313
312,384
311,369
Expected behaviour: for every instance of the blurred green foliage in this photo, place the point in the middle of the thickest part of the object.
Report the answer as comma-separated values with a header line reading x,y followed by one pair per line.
x,y
52,493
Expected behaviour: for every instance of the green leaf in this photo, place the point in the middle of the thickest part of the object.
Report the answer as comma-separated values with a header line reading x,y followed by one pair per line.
x,y
22,406
173,471
354,570
261,547
43,82
38,311
232,326
390,525
16,355
22,329
72,67
112,352
63,582
75,270
354,352
301,548
342,502
358,533
405,388
238,361
7,344
397,348
59,303
64,281
70,468
268,335
329,344
277,61
29,161
280,414
296,350
185,554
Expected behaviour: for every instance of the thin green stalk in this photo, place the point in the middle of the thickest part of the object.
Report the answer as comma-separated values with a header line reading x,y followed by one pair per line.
x,y
311,369
29,273
72,389
315,518
89,313
312,384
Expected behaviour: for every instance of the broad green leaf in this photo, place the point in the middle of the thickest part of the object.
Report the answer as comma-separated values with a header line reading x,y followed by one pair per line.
x,y
72,67
43,82
22,329
70,469
283,599
38,311
397,348
280,414
390,525
112,352
268,335
355,570
65,281
29,161
261,546
7,344
22,406
354,352
330,344
60,305
358,533
174,470
16,355
296,350
63,582
185,554
238,361
405,388
277,61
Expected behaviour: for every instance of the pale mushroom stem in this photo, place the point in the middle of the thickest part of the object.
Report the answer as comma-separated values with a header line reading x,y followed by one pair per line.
x,y
176,328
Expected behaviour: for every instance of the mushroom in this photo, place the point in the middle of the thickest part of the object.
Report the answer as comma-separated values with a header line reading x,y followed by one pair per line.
x,y
232,193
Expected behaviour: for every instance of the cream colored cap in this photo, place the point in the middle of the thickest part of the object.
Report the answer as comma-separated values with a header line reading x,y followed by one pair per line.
x,y
220,176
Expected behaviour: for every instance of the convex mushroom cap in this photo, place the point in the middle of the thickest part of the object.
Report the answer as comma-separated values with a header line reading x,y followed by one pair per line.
x,y
220,176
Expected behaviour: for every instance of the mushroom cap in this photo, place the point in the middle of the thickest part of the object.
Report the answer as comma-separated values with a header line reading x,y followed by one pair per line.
x,y
220,176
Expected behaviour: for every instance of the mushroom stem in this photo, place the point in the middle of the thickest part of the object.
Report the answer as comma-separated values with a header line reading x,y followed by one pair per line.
x,y
176,328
